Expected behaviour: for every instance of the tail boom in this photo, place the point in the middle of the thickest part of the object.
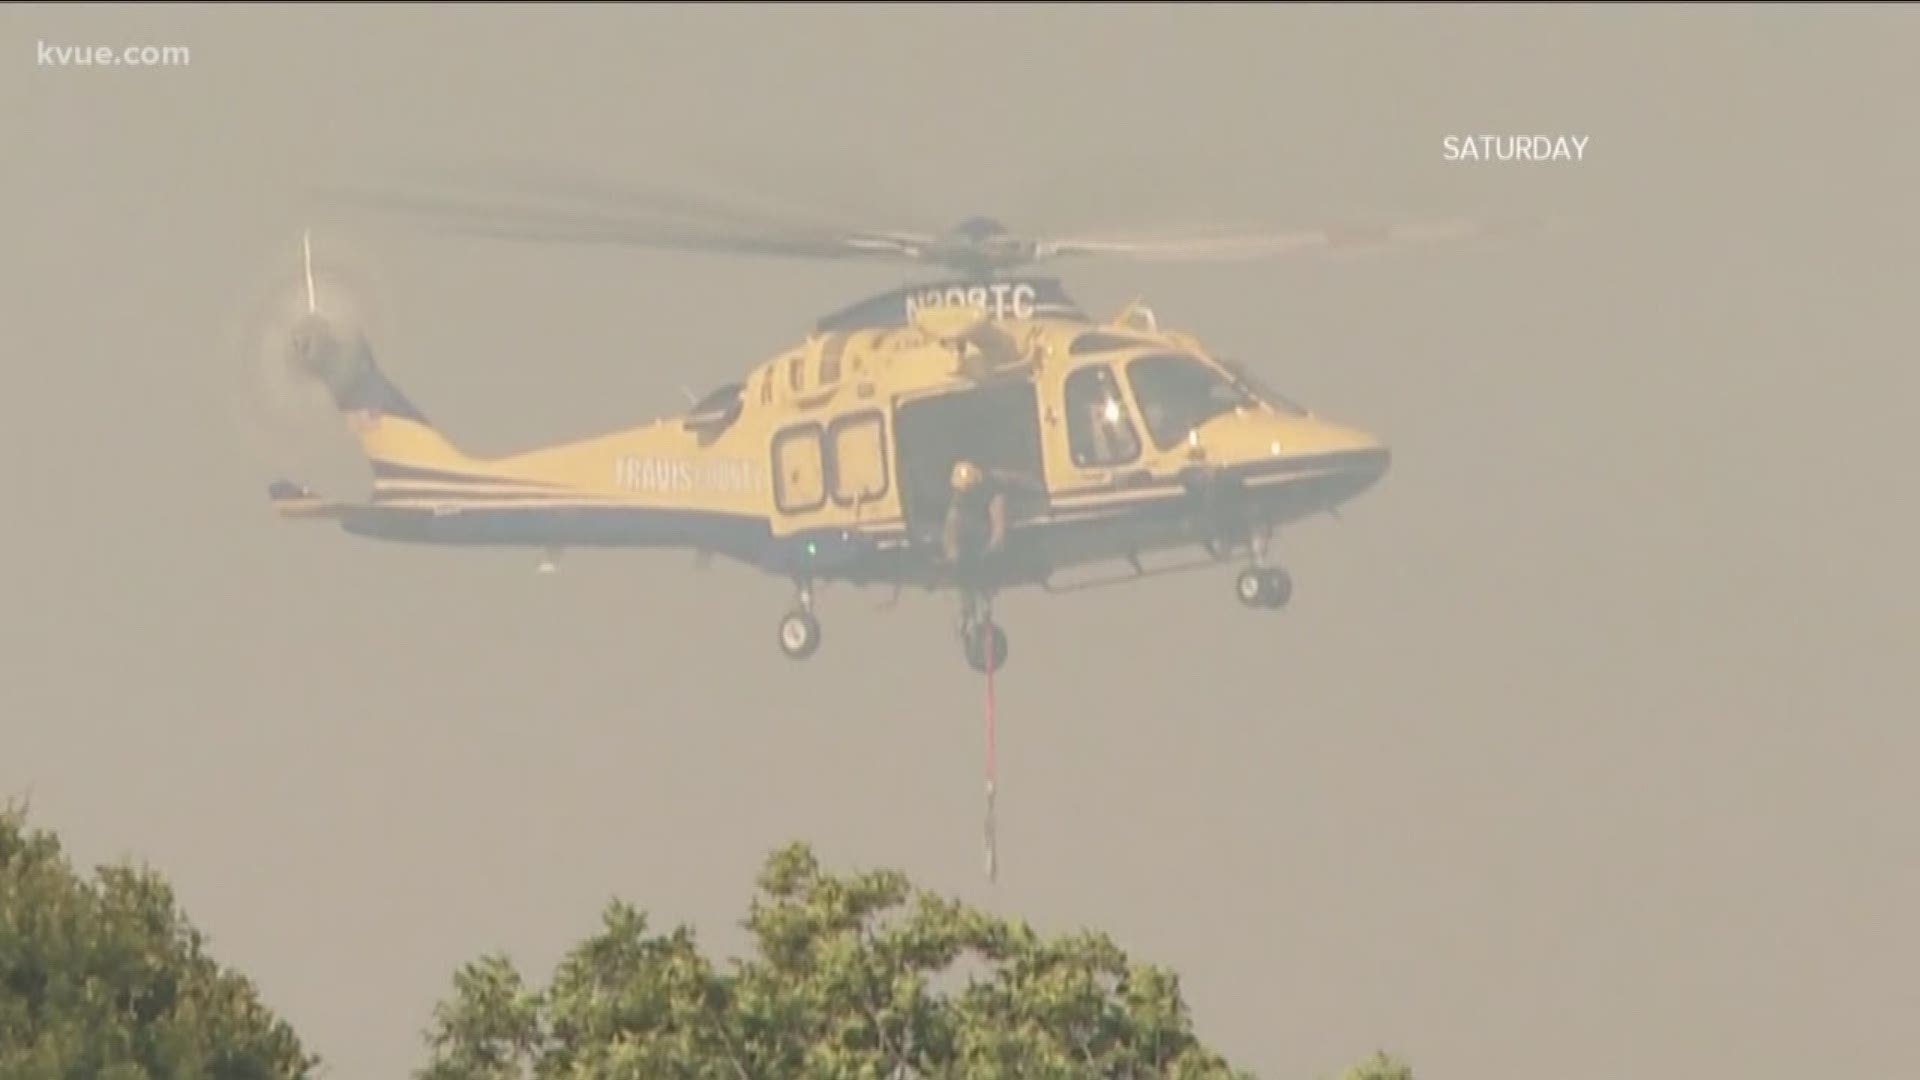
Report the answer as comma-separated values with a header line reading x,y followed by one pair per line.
x,y
299,502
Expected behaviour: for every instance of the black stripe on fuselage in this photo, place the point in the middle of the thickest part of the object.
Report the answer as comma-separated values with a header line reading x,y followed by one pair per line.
x,y
1341,460
570,526
466,495
387,470
1126,486
1136,512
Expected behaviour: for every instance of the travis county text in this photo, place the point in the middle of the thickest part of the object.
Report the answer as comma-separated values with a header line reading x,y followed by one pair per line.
x,y
682,476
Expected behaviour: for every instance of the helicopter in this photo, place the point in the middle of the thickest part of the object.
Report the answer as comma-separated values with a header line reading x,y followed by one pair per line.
x,y
834,461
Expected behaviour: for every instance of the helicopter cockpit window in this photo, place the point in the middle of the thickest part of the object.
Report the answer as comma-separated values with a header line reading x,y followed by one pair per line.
x,y
1278,401
1179,393
1100,432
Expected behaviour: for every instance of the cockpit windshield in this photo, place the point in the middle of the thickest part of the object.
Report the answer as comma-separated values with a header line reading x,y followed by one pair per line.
x,y
1253,385
1178,393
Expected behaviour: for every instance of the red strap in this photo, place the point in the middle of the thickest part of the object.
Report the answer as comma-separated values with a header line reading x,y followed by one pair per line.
x,y
993,854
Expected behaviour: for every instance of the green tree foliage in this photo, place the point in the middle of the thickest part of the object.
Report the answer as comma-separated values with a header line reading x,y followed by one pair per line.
x,y
858,977
106,979
1380,1066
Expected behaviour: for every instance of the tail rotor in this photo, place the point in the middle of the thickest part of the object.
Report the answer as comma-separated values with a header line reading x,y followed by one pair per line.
x,y
293,343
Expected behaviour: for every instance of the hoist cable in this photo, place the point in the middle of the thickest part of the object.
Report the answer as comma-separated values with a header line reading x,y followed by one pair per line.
x,y
992,845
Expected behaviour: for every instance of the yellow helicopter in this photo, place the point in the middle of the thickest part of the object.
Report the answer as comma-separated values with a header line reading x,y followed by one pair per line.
x,y
855,455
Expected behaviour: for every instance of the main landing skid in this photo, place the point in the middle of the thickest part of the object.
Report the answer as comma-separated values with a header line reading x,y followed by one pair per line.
x,y
984,643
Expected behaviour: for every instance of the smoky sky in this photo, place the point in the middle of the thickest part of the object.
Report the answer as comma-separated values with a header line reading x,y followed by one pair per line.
x,y
1583,748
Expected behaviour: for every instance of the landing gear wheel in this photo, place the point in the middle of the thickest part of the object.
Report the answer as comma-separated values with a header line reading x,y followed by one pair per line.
x,y
1264,587
984,641
1278,587
799,635
1250,587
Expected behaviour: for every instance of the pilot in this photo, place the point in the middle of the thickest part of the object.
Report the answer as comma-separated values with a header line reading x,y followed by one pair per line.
x,y
1110,443
977,516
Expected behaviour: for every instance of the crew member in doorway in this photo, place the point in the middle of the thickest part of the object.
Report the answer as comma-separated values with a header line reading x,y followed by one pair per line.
x,y
977,517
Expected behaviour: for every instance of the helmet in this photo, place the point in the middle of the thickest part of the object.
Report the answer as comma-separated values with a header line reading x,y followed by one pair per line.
x,y
965,475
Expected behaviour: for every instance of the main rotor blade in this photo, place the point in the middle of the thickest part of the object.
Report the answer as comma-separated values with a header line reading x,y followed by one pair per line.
x,y
529,221
628,198
1249,245
574,210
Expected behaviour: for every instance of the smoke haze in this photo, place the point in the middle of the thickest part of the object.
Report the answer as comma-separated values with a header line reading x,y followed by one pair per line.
x,y
1585,748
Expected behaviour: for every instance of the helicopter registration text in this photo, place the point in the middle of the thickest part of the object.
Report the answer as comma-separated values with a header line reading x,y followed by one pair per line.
x,y
1001,299
664,476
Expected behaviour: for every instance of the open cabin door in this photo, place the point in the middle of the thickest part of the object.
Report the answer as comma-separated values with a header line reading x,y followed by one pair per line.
x,y
996,426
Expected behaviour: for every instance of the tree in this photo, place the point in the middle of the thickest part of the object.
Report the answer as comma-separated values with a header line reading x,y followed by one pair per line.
x,y
108,979
861,977
1380,1066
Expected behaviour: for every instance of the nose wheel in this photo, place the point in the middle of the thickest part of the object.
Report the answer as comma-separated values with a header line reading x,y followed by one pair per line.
x,y
1261,585
799,630
1266,587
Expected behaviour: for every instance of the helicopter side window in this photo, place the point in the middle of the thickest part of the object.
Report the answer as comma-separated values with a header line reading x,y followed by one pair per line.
x,y
1179,393
830,356
1100,433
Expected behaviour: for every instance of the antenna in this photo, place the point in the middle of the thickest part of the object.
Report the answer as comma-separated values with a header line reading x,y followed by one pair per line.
x,y
306,251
